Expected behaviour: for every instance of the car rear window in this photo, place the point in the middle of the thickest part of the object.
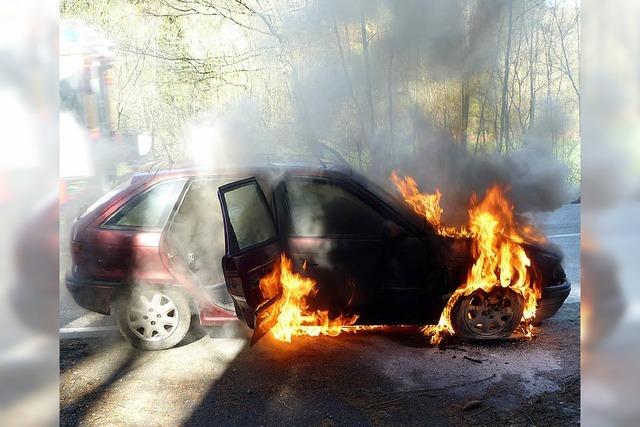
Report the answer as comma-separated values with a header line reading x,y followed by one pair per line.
x,y
105,197
149,209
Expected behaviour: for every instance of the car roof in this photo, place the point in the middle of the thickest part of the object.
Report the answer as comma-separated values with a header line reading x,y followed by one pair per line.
x,y
273,172
163,174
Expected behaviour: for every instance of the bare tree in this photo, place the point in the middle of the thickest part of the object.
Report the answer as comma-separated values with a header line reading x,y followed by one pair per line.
x,y
504,116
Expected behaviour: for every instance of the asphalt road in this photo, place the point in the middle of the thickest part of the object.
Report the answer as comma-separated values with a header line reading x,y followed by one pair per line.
x,y
392,377
562,227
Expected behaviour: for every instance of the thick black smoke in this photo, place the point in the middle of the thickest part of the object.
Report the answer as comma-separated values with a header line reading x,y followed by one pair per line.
x,y
432,40
533,178
456,43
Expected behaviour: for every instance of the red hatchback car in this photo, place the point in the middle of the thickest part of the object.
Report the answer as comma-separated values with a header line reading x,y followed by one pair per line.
x,y
161,232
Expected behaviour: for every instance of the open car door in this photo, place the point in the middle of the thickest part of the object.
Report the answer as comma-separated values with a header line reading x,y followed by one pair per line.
x,y
252,247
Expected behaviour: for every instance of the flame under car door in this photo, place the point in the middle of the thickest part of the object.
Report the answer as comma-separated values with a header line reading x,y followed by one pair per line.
x,y
252,247
336,233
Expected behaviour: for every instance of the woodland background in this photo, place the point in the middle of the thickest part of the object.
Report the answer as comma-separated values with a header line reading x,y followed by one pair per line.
x,y
382,83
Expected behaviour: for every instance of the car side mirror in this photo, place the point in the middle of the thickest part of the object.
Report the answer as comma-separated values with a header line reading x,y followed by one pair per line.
x,y
391,230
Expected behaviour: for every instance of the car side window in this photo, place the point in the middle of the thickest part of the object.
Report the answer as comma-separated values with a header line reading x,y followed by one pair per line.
x,y
250,218
149,209
322,208
197,227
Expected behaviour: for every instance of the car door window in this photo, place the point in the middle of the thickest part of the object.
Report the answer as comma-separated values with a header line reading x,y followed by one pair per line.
x,y
149,209
322,208
249,215
196,232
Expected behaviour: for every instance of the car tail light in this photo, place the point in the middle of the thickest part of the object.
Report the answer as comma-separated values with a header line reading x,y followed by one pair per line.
x,y
76,248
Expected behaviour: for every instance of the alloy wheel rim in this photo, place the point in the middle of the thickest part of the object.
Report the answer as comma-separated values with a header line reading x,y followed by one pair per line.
x,y
152,316
488,314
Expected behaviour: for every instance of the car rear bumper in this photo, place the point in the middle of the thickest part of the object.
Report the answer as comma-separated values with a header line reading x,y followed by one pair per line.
x,y
93,295
553,297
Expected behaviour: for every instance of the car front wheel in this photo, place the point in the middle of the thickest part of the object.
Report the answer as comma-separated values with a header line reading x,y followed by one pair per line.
x,y
484,316
153,317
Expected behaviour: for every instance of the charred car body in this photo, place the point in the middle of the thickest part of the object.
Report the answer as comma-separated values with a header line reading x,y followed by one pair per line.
x,y
368,253
152,250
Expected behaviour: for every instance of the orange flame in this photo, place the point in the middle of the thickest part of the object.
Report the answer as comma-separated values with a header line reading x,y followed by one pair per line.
x,y
292,311
426,205
499,257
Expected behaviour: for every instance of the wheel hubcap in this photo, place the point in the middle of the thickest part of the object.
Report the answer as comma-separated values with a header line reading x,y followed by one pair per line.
x,y
488,314
152,315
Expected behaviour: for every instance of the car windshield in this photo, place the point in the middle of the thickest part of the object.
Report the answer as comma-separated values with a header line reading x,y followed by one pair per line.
x,y
392,200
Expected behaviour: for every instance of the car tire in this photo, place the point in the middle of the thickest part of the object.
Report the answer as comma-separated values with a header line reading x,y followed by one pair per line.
x,y
153,317
487,316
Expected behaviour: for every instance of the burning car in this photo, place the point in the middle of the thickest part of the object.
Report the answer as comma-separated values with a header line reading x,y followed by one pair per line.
x,y
314,252
163,247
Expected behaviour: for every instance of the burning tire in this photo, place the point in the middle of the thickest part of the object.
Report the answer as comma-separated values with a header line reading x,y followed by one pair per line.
x,y
153,318
485,316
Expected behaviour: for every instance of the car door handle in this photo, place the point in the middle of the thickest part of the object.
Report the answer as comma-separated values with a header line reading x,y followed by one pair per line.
x,y
311,263
229,264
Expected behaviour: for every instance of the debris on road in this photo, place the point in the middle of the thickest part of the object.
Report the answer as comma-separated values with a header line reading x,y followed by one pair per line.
x,y
472,359
471,404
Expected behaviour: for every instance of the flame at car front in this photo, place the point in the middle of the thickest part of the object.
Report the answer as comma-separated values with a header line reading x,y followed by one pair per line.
x,y
497,250
292,312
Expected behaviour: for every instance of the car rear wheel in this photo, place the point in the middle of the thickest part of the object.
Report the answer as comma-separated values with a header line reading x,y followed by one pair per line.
x,y
153,317
485,316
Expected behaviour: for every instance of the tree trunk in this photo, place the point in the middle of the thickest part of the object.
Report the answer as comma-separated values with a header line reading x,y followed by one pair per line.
x,y
504,119
548,95
465,94
390,96
465,112
367,70
480,123
363,131
532,73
